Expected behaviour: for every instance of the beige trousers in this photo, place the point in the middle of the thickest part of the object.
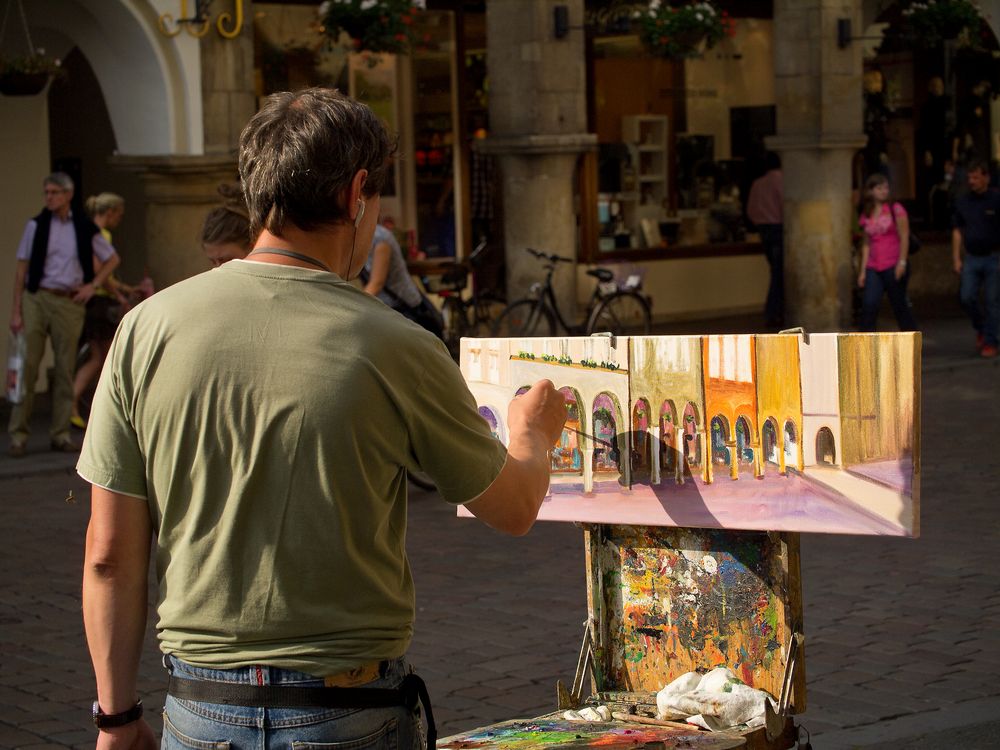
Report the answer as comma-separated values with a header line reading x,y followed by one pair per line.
x,y
48,315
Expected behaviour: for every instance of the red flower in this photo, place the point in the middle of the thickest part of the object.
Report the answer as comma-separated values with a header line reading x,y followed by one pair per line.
x,y
406,19
400,37
356,43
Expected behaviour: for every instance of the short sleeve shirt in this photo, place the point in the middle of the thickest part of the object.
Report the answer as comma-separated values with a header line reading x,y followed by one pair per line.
x,y
977,216
268,415
399,287
883,237
62,268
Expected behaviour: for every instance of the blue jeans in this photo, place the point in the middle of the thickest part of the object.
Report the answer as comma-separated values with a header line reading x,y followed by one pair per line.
x,y
878,283
209,726
982,271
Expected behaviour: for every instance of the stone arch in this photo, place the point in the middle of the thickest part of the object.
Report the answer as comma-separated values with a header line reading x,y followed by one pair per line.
x,y
642,449
720,436
668,437
567,455
492,416
607,416
154,98
826,447
769,445
791,443
692,438
744,444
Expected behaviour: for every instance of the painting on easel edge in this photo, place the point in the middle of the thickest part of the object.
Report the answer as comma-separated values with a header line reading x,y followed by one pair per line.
x,y
782,432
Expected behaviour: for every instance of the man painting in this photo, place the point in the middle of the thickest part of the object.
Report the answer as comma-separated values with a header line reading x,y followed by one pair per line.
x,y
54,278
260,420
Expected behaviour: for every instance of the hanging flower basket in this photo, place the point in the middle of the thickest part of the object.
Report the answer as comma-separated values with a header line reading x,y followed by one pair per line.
x,y
372,25
931,23
22,84
683,31
28,75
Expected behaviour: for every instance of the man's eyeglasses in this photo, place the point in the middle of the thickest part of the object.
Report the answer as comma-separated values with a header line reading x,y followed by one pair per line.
x,y
54,191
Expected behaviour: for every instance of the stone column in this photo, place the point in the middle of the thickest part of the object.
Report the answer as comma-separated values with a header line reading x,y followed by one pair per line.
x,y
653,435
538,119
819,108
179,191
227,85
588,469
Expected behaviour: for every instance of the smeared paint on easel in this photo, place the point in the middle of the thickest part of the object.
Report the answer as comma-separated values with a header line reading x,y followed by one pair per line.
x,y
546,732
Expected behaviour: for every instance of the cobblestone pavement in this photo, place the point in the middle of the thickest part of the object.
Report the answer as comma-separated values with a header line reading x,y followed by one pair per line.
x,y
902,636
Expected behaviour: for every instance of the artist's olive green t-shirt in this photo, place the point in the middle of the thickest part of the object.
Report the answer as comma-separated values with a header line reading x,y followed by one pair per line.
x,y
268,415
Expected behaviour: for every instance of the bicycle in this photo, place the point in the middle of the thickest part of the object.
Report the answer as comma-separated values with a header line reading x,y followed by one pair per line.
x,y
464,316
618,309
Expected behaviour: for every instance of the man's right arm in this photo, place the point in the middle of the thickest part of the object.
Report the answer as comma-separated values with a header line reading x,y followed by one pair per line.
x,y
16,321
956,249
535,418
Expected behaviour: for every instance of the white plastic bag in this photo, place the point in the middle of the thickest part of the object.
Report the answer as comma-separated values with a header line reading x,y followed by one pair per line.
x,y
16,349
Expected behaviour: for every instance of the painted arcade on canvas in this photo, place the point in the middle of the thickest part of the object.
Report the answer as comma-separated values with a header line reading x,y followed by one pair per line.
x,y
771,432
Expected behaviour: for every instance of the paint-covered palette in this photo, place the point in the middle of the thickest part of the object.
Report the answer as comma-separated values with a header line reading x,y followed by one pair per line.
x,y
812,433
670,601
556,732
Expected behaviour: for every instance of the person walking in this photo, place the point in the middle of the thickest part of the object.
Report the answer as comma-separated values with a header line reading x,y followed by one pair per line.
x,y
105,308
261,418
976,227
765,207
386,276
885,245
53,280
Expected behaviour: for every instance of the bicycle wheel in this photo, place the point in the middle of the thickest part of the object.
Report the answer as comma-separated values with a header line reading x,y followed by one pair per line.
x,y
453,313
487,312
528,317
623,314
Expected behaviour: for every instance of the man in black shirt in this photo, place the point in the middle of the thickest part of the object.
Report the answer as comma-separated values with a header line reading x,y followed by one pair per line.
x,y
976,224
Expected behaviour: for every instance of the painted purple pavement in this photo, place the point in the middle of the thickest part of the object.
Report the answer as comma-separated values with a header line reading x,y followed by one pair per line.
x,y
894,474
771,503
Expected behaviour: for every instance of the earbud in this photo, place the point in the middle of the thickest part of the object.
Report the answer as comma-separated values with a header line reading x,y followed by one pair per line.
x,y
361,213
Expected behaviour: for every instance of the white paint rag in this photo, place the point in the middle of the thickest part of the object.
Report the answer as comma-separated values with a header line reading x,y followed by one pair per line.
x,y
716,701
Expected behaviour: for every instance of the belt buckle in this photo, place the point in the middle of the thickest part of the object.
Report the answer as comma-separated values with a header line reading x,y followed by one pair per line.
x,y
354,677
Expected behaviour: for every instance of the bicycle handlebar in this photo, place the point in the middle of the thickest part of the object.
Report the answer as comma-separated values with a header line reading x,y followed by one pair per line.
x,y
546,256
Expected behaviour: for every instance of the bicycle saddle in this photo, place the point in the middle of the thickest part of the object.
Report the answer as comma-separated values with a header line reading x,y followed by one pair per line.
x,y
601,274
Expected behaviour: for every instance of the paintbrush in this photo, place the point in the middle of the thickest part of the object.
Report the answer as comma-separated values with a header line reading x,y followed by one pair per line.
x,y
639,719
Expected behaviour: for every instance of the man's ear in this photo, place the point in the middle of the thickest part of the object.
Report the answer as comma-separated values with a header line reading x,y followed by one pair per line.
x,y
356,194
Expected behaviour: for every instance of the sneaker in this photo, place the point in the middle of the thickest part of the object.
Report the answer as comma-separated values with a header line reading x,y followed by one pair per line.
x,y
17,450
64,446
988,351
78,422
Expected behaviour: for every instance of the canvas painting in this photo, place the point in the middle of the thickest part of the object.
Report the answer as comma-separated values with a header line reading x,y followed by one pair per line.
x,y
776,432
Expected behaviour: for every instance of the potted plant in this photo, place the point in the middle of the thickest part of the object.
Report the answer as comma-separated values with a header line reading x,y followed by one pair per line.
x,y
372,25
931,22
27,75
684,30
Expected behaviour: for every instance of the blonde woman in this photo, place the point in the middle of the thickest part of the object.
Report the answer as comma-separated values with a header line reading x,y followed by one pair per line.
x,y
105,308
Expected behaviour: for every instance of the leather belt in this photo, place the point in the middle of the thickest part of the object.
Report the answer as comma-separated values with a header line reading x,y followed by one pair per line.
x,y
59,292
410,692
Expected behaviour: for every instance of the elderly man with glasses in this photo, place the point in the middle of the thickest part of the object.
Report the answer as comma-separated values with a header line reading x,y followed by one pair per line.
x,y
61,260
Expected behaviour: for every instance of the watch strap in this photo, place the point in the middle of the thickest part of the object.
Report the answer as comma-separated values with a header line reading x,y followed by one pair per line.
x,y
109,721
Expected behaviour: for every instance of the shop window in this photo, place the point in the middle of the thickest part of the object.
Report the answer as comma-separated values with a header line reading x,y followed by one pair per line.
x,y
720,436
769,442
566,456
668,438
606,420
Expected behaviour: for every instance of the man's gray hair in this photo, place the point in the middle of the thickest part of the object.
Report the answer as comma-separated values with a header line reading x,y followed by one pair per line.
x,y
59,179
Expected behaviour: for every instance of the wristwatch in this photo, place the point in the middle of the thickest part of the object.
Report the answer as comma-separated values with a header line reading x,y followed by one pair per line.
x,y
108,721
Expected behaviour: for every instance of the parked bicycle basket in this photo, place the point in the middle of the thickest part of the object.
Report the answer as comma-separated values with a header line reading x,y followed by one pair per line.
x,y
452,280
628,277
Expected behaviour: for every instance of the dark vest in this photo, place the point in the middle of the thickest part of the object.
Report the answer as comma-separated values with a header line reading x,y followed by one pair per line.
x,y
84,229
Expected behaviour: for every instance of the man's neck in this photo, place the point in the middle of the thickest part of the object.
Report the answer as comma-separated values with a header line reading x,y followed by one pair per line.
x,y
61,213
330,246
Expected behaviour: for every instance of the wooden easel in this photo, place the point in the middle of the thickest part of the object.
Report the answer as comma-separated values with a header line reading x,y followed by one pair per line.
x,y
665,601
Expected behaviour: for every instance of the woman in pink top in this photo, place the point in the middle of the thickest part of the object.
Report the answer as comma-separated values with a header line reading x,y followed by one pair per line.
x,y
884,247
